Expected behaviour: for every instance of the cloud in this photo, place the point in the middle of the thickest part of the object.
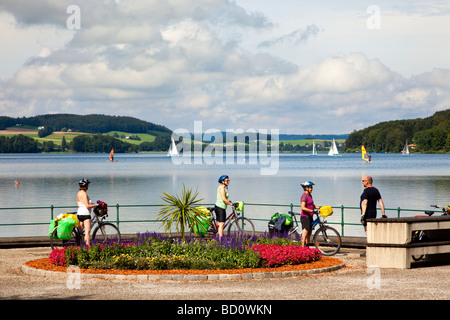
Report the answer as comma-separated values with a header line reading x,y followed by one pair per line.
x,y
174,62
295,37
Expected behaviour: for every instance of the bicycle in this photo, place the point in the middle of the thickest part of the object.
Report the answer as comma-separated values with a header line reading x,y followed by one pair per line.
x,y
103,232
326,238
421,235
235,225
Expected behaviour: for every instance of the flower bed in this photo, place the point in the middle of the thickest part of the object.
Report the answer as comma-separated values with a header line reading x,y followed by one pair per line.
x,y
152,252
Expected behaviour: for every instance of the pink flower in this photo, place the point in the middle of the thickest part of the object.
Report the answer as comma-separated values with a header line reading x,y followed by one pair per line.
x,y
57,256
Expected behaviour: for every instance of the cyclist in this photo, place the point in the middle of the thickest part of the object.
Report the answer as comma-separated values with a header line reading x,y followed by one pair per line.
x,y
308,207
84,210
222,202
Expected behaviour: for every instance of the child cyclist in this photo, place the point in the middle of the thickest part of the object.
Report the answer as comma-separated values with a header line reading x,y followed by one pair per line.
x,y
308,207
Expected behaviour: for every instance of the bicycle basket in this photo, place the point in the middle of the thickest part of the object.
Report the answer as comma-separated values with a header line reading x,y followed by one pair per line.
x,y
101,209
326,211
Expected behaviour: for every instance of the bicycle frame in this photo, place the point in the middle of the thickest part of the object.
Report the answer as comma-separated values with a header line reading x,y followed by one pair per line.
x,y
315,222
230,218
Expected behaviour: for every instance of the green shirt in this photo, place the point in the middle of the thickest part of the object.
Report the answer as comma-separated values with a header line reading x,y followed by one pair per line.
x,y
219,201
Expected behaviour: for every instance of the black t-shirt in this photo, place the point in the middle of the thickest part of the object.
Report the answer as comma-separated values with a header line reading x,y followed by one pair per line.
x,y
372,195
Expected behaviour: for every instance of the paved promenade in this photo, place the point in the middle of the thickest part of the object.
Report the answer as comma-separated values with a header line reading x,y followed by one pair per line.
x,y
354,282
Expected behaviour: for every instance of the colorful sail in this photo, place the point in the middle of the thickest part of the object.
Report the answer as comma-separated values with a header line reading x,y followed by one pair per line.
x,y
364,154
111,155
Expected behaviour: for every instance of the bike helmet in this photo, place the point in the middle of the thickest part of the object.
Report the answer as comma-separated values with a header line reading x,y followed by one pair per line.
x,y
307,184
84,183
223,177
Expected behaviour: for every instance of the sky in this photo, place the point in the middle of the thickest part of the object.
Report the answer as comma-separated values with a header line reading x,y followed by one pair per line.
x,y
302,67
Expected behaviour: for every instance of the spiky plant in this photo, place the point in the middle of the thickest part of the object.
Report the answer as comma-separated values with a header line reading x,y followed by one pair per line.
x,y
180,211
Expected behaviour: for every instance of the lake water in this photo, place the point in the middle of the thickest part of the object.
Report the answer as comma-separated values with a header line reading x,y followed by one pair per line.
x,y
413,182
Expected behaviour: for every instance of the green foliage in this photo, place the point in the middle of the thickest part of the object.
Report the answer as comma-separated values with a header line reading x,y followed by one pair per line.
x,y
18,144
180,211
157,253
429,135
46,131
100,143
93,123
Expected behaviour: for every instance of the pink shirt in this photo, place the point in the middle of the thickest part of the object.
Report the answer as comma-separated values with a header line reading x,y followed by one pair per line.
x,y
307,198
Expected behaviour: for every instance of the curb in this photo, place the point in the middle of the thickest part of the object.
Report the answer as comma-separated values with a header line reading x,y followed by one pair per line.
x,y
183,277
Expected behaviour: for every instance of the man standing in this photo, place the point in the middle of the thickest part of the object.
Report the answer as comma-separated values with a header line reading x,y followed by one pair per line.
x,y
369,199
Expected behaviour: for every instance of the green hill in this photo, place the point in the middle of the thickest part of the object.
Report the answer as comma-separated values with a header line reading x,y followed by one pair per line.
x,y
430,134
81,133
92,123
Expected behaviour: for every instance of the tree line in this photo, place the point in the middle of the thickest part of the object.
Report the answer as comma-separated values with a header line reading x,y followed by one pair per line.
x,y
97,143
428,135
93,123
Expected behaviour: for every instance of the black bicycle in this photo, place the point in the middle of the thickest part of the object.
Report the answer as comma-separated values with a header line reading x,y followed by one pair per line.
x,y
326,238
103,232
421,235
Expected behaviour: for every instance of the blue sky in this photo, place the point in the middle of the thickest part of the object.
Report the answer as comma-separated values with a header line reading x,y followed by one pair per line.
x,y
297,66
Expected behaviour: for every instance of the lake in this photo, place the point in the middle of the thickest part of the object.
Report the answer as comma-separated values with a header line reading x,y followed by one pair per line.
x,y
414,182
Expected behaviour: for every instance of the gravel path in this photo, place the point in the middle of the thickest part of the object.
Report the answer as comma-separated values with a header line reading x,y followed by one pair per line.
x,y
355,282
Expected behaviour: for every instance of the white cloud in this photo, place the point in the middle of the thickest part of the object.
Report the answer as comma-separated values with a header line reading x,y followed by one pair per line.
x,y
174,62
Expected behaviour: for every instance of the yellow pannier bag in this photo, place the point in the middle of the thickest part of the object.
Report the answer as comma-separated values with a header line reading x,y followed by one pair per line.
x,y
326,211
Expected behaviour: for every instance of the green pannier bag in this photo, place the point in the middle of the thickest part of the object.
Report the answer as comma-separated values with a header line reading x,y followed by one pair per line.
x,y
205,221
65,228
287,222
51,228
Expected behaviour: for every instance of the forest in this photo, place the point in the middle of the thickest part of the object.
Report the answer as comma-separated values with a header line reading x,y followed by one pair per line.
x,y
92,137
427,135
93,123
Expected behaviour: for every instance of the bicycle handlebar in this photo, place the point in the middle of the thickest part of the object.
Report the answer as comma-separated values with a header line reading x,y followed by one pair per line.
x,y
296,213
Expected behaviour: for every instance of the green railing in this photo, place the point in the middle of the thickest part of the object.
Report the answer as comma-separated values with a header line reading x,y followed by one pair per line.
x,y
345,214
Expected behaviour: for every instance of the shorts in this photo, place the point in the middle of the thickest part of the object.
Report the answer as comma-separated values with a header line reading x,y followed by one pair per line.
x,y
81,218
306,222
221,214
368,215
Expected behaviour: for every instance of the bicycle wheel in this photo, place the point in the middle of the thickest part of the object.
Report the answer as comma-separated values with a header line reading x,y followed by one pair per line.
x,y
106,233
56,243
241,227
327,240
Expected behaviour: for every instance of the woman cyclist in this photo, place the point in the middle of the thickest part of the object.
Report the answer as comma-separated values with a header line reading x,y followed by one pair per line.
x,y
84,210
308,207
222,202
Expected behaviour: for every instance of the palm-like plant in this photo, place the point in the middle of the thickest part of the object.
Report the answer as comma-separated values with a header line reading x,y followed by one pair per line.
x,y
180,211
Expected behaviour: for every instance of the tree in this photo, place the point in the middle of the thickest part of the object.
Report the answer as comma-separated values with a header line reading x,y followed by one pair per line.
x,y
63,144
180,211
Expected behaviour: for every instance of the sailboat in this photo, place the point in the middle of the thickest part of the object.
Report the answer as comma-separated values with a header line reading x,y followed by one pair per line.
x,y
364,155
314,151
111,156
173,152
405,151
333,150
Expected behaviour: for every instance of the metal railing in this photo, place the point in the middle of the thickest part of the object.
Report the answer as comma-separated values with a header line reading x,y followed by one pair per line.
x,y
341,211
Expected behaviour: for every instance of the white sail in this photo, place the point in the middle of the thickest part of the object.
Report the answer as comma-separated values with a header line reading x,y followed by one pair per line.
x,y
333,150
405,150
314,151
173,152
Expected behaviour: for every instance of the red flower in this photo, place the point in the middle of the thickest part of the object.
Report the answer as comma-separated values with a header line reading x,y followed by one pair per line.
x,y
276,255
57,256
